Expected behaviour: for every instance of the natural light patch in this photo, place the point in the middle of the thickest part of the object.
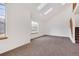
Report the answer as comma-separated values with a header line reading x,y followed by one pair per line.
x,y
35,27
48,11
41,6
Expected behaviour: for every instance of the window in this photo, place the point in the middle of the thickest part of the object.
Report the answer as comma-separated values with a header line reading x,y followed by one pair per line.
x,y
2,21
35,27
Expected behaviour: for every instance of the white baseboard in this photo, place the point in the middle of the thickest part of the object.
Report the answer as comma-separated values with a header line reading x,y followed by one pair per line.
x,y
14,47
57,35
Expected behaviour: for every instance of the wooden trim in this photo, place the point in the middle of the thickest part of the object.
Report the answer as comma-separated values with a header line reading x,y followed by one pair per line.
x,y
71,26
74,6
38,37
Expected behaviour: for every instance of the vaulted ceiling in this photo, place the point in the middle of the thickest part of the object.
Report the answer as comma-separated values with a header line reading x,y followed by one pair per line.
x,y
45,11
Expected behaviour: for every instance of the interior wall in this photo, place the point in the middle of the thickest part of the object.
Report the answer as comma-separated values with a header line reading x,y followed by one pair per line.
x,y
41,29
18,27
76,18
59,25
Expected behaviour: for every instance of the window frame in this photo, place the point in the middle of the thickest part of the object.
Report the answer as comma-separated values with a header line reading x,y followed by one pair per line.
x,y
4,36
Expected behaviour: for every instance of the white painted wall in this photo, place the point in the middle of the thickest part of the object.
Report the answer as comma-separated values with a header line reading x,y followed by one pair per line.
x,y
59,24
18,27
41,29
35,16
76,17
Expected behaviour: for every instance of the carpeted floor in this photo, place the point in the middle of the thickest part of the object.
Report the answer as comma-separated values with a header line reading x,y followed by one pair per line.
x,y
47,46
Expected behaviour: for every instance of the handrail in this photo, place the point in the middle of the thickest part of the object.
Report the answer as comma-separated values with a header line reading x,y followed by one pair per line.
x,y
74,7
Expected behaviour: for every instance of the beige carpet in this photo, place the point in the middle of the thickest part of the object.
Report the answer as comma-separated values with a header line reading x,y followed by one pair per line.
x,y
47,46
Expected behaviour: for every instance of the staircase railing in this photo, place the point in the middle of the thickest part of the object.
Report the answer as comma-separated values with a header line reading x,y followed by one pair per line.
x,y
72,22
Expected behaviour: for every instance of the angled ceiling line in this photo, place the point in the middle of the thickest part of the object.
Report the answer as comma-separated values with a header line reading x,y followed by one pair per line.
x,y
61,10
41,6
48,11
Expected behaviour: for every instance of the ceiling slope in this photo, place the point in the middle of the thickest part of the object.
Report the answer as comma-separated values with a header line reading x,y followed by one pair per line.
x,y
57,8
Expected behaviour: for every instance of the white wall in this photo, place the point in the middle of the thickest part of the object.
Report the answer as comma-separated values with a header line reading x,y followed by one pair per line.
x,y
76,17
41,29
18,27
58,25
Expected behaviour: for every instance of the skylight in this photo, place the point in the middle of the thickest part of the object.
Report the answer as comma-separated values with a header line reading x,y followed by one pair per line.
x,y
48,11
42,5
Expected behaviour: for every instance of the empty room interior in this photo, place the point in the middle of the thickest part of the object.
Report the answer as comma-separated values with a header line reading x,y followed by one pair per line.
x,y
39,29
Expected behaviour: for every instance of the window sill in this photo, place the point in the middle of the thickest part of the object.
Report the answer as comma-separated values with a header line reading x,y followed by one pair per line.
x,y
3,36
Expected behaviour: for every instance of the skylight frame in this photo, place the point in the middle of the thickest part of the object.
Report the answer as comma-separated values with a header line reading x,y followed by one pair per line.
x,y
41,6
48,11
